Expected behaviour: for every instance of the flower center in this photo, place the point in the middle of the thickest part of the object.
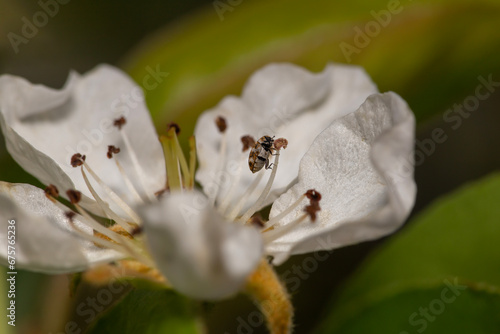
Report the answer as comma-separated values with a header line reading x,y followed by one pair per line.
x,y
264,149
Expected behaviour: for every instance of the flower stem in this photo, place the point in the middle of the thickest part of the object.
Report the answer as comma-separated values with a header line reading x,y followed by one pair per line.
x,y
265,288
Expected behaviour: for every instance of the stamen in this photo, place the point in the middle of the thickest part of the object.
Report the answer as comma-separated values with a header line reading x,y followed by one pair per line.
x,y
120,122
247,142
104,206
230,194
160,193
284,213
237,208
77,160
171,163
114,197
112,150
192,161
51,192
180,155
105,243
313,195
313,207
175,126
311,211
74,196
270,235
127,244
256,220
128,183
130,186
137,230
222,126
282,144
137,167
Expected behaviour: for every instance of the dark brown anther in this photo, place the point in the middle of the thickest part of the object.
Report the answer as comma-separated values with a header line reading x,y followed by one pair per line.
x,y
160,193
136,230
174,125
280,143
77,160
70,215
221,123
256,220
112,150
247,142
51,191
74,196
120,122
311,211
313,195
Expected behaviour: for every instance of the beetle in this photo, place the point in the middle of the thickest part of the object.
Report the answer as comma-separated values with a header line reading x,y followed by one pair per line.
x,y
259,154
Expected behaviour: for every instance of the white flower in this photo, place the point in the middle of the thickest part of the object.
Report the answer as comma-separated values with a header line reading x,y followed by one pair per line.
x,y
348,142
94,141
345,176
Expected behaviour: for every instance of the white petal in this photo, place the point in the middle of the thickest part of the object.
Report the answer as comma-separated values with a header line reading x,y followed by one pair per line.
x,y
362,166
282,100
43,240
44,127
201,254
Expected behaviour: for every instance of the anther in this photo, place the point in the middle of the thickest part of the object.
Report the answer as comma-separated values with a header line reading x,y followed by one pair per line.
x,y
160,193
120,122
313,195
112,150
137,230
311,211
175,126
51,192
280,143
256,220
77,160
74,196
248,142
221,123
70,215
313,207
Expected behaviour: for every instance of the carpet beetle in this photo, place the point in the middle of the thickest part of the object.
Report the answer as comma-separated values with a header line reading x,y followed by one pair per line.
x,y
259,154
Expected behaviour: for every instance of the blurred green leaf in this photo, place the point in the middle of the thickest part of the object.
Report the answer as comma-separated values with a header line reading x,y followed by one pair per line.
x,y
434,310
431,52
149,311
453,238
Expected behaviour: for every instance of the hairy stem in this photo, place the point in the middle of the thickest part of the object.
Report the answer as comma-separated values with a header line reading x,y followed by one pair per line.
x,y
265,288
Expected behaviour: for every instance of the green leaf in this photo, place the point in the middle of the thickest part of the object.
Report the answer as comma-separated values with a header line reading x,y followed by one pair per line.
x,y
429,52
457,236
436,310
149,311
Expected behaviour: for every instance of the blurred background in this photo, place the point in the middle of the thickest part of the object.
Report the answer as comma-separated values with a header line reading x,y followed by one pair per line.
x,y
435,54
